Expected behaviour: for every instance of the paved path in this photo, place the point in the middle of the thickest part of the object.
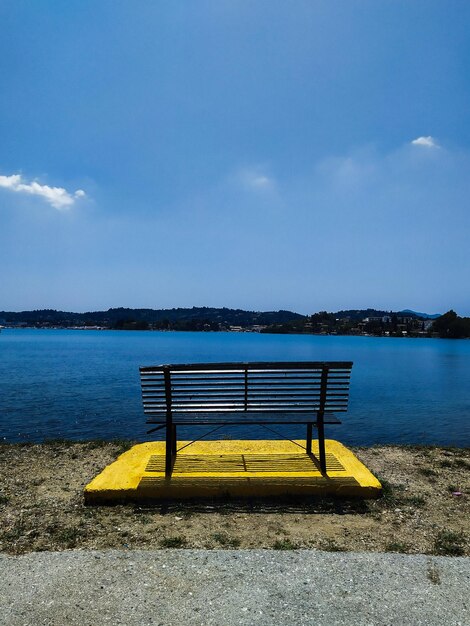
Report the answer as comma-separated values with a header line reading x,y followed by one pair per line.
x,y
225,587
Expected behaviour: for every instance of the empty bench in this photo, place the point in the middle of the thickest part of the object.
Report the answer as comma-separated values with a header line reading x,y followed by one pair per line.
x,y
206,394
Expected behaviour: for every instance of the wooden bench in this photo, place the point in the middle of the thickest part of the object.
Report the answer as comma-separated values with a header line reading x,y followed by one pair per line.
x,y
204,394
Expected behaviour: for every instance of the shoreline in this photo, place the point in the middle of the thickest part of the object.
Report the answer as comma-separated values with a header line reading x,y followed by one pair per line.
x,y
235,332
425,507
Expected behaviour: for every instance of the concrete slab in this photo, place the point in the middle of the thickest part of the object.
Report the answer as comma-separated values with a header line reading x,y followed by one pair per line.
x,y
233,588
232,468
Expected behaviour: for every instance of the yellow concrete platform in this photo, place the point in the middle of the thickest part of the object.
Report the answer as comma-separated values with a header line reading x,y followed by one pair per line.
x,y
235,468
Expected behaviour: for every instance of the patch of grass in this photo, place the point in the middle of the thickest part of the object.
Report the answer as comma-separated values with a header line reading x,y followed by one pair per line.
x,y
97,443
449,543
461,463
58,441
416,501
224,539
330,545
15,532
452,488
433,574
68,536
285,544
456,463
397,546
177,541
4,499
123,445
428,472
445,463
391,494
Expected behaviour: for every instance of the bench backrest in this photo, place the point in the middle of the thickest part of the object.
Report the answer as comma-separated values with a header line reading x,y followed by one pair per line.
x,y
303,387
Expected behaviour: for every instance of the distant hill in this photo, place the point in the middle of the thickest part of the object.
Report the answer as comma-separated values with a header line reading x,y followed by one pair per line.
x,y
360,314
118,317
198,318
425,316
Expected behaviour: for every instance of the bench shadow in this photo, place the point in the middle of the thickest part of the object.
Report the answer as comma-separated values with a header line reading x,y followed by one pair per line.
x,y
312,505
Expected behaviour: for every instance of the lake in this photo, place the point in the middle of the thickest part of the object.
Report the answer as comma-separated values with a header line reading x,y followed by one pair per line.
x,y
85,384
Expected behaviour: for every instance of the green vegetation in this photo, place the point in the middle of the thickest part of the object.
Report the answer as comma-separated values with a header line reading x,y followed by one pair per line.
x,y
416,501
377,323
391,494
398,546
428,472
330,545
195,318
433,574
349,322
225,540
176,541
449,543
451,326
68,536
285,544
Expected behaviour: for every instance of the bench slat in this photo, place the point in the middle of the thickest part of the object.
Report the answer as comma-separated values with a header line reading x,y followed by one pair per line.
x,y
260,365
240,407
252,417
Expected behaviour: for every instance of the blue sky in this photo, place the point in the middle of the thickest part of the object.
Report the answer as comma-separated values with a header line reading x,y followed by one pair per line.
x,y
263,155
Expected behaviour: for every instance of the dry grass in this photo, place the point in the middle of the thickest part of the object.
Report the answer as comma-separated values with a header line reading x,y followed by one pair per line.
x,y
42,508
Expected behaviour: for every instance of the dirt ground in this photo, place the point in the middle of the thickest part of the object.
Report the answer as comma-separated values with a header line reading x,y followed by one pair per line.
x,y
425,507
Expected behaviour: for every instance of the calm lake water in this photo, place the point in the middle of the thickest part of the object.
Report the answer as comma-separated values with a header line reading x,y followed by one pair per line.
x,y
85,384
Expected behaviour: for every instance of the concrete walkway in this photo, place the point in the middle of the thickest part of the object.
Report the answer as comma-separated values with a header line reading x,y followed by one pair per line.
x,y
225,587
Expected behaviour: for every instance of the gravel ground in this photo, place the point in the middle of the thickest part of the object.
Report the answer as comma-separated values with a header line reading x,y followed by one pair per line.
x,y
225,587
425,508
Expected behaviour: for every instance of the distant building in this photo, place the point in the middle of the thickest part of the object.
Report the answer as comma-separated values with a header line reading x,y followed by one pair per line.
x,y
384,319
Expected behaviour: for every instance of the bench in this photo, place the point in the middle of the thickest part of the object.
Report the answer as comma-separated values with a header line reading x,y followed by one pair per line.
x,y
206,394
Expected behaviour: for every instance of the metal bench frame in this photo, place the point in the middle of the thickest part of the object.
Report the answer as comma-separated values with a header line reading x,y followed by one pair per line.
x,y
305,392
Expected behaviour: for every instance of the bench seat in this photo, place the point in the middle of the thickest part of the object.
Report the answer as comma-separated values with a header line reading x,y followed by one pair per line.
x,y
245,417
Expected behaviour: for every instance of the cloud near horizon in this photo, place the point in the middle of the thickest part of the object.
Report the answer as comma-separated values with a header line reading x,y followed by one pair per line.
x,y
57,197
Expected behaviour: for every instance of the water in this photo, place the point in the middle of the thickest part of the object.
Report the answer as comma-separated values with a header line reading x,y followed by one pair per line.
x,y
85,384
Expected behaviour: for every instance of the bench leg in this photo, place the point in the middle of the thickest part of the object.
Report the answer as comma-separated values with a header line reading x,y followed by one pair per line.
x,y
170,451
173,451
321,446
308,446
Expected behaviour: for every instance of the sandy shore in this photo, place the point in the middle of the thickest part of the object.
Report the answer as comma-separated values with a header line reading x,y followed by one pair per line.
x,y
425,508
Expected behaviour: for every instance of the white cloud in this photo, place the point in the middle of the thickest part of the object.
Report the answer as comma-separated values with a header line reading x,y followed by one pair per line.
x,y
261,181
256,179
427,142
58,197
